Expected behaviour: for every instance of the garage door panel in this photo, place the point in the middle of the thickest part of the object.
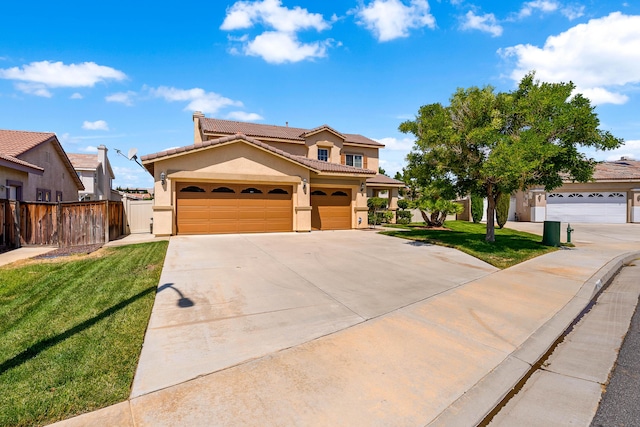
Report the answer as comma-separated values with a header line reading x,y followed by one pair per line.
x,y
226,212
604,208
330,209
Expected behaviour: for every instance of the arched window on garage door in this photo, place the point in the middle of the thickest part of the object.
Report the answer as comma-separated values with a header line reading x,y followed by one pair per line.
x,y
192,189
278,191
318,193
222,190
251,190
339,193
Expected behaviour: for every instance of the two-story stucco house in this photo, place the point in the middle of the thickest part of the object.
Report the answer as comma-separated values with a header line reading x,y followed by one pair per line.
x,y
94,170
245,177
34,167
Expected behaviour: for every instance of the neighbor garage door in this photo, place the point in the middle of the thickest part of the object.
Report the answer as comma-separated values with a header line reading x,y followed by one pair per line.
x,y
330,209
231,208
605,208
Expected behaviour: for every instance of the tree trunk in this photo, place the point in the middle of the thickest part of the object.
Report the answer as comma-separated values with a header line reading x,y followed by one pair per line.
x,y
491,209
426,218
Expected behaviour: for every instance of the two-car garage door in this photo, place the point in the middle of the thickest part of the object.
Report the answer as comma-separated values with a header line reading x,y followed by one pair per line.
x,y
595,207
206,208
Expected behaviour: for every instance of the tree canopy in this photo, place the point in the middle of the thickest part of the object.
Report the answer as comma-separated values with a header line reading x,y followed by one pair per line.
x,y
487,143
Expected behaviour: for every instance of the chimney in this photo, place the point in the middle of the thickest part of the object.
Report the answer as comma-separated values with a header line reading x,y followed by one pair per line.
x,y
286,124
197,133
103,177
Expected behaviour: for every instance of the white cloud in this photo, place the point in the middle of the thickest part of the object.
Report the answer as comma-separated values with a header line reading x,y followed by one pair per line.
x,y
97,125
38,77
573,11
602,57
131,177
244,117
125,98
390,143
630,149
545,6
198,99
89,149
271,13
486,23
34,89
76,95
282,44
277,48
392,19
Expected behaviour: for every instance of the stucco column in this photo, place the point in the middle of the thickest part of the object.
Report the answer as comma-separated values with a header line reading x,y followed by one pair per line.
x,y
538,204
635,205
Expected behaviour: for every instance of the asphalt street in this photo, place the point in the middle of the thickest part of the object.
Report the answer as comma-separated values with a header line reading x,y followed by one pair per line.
x,y
619,405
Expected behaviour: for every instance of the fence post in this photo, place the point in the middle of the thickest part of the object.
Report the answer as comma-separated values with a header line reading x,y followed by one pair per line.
x,y
59,224
106,216
16,219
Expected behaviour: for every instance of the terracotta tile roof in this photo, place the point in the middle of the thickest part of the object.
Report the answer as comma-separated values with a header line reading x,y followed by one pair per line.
x,y
256,130
317,165
15,142
84,161
384,180
618,170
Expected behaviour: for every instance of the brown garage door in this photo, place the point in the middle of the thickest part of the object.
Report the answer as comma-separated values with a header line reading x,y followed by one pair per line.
x,y
232,208
330,209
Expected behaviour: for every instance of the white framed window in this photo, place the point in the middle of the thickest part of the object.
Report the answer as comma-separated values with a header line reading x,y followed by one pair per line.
x,y
323,154
354,160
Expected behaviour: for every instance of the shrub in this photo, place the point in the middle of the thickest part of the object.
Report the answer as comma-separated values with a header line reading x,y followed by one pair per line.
x,y
377,203
403,217
403,204
502,209
477,208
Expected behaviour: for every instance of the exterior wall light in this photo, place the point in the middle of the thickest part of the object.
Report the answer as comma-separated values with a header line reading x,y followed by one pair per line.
x,y
163,178
304,184
362,187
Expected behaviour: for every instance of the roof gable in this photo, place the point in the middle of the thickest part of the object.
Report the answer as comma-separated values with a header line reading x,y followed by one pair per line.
x,y
84,161
16,142
314,165
255,130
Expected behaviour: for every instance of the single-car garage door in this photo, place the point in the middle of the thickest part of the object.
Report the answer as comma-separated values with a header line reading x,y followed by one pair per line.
x,y
204,208
330,209
605,208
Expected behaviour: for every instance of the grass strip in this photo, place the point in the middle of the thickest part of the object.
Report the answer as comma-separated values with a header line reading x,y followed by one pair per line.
x,y
71,331
510,247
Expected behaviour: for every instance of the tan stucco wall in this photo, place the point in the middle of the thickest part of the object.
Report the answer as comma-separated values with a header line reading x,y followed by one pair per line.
x,y
56,175
324,139
370,153
237,162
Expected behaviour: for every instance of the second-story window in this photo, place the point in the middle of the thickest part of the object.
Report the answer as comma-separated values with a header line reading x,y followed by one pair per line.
x,y
354,160
323,154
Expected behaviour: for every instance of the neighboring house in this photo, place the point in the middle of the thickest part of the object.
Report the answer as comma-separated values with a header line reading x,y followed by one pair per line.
x,y
246,177
94,170
34,167
612,197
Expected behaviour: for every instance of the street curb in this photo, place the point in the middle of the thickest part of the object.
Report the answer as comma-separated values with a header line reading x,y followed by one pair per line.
x,y
482,401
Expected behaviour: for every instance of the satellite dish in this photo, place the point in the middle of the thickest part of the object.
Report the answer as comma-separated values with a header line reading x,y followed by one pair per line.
x,y
132,153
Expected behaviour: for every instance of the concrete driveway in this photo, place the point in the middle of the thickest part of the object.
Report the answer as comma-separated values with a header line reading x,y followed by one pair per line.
x,y
226,299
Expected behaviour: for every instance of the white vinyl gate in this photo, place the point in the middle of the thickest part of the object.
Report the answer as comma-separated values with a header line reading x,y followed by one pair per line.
x,y
604,208
139,214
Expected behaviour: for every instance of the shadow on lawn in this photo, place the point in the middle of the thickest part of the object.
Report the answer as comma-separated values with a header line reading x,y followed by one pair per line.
x,y
43,345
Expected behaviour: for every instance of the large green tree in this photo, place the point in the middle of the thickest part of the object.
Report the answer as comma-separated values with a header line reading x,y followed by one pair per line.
x,y
488,143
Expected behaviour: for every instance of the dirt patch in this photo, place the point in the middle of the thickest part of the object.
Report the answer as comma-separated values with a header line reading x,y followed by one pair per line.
x,y
73,250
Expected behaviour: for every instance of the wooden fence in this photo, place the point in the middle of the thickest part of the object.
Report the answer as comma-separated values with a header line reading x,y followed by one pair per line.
x,y
60,224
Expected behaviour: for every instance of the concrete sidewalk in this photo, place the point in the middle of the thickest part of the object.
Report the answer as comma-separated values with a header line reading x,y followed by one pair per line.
x,y
447,360
23,253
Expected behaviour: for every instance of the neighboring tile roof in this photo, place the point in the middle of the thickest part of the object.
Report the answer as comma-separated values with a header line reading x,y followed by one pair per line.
x,y
84,161
310,163
384,180
15,142
271,131
618,170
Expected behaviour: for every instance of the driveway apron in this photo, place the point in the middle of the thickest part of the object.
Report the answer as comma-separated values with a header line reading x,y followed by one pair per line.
x,y
226,299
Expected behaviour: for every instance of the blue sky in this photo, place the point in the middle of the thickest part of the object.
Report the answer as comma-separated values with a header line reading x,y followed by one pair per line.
x,y
130,74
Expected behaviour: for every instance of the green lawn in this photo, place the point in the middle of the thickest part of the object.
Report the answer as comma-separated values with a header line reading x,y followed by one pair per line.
x,y
71,331
511,247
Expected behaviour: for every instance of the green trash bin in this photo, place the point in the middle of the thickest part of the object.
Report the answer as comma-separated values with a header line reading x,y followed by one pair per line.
x,y
551,233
